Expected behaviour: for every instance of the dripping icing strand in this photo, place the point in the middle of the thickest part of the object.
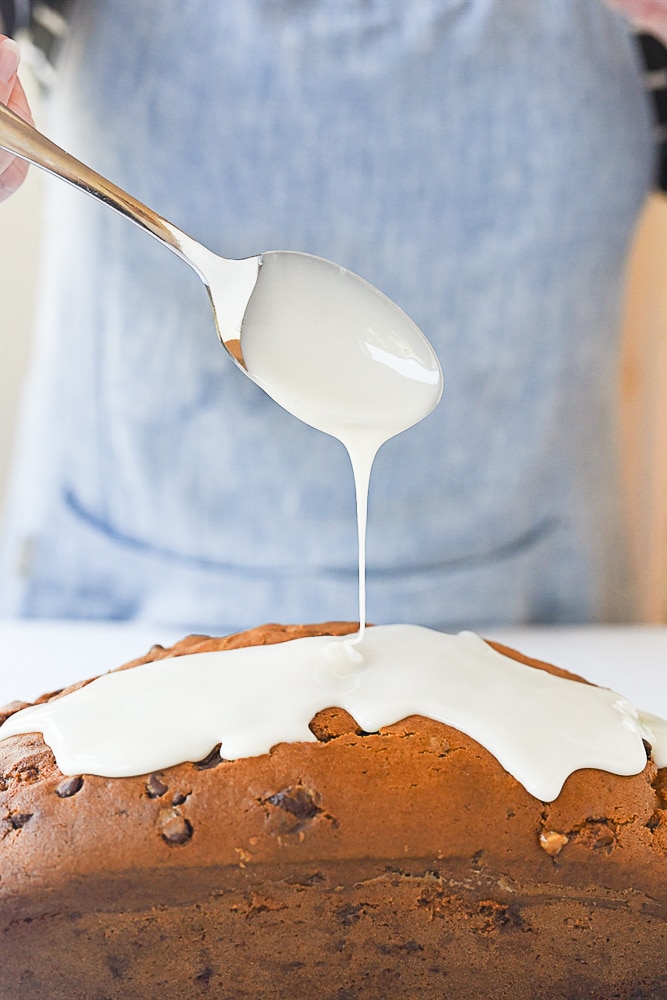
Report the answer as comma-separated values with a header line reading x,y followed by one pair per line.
x,y
348,362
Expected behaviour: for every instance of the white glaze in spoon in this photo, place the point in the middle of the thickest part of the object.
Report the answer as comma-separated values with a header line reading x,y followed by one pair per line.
x,y
339,355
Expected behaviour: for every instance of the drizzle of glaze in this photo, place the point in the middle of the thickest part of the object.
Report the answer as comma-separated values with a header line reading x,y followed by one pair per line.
x,y
347,361
539,726
655,733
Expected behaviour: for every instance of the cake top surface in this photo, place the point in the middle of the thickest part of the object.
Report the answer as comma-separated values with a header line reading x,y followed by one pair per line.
x,y
541,725
417,789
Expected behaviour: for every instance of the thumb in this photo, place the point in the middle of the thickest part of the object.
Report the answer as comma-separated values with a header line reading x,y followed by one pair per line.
x,y
10,57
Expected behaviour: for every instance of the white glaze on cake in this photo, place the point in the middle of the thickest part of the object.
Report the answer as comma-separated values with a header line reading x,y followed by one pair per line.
x,y
539,726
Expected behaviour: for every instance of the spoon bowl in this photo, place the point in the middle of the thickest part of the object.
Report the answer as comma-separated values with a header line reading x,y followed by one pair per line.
x,y
324,343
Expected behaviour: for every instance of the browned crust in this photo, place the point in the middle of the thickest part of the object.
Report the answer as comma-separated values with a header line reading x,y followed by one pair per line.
x,y
417,791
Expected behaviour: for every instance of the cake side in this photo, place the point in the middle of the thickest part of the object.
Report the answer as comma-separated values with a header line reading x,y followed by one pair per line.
x,y
372,865
437,792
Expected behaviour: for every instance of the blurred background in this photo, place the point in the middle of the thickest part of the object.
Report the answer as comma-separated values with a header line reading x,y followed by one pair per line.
x,y
19,262
642,389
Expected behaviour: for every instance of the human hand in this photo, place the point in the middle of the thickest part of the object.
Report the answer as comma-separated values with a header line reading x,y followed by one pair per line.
x,y
645,15
12,169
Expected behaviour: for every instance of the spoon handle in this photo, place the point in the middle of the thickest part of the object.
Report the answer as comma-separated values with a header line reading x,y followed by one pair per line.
x,y
24,141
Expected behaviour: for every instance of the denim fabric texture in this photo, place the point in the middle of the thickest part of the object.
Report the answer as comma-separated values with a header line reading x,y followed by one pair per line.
x,y
483,162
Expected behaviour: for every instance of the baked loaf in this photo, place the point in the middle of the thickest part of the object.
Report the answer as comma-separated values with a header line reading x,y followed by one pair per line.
x,y
365,866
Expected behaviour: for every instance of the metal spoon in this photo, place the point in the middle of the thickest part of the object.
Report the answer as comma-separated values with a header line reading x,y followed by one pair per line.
x,y
231,283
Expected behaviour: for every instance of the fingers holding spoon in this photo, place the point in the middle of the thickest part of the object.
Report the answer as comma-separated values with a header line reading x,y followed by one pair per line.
x,y
12,169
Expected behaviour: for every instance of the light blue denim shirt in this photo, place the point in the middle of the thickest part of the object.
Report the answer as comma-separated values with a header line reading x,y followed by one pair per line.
x,y
483,163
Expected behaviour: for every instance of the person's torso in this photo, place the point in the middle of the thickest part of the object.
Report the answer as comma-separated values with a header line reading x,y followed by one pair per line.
x,y
480,161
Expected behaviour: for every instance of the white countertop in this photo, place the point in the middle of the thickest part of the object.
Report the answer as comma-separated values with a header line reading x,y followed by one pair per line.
x,y
39,656
629,659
